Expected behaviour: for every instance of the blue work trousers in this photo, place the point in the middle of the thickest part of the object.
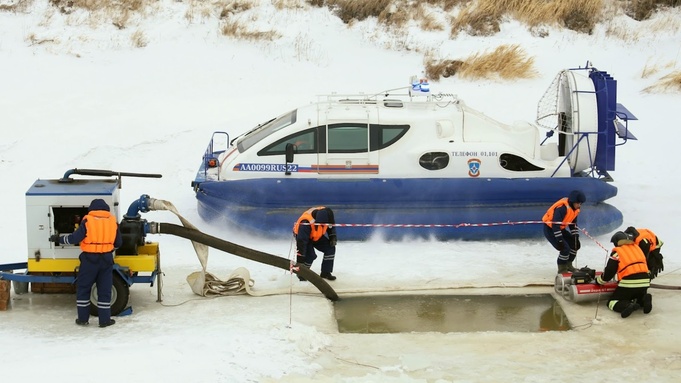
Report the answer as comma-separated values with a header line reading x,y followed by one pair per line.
x,y
94,268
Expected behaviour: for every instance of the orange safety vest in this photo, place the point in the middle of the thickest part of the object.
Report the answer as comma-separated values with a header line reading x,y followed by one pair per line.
x,y
631,260
318,230
101,228
647,235
569,216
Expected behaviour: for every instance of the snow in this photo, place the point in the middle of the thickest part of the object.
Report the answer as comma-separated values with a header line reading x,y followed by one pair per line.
x,y
85,97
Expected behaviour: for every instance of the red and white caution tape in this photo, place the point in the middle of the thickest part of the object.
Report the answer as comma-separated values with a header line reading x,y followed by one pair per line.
x,y
456,226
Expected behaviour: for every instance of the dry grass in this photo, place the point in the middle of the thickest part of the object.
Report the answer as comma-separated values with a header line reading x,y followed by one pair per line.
x,y
19,6
232,24
660,24
650,70
670,83
238,30
288,4
393,13
348,10
505,62
105,6
428,18
119,12
199,10
663,23
623,32
32,39
475,17
138,39
482,17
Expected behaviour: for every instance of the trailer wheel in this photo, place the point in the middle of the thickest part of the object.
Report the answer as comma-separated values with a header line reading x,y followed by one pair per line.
x,y
120,294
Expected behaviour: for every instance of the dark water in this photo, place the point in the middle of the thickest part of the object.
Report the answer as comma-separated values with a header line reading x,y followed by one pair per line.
x,y
381,314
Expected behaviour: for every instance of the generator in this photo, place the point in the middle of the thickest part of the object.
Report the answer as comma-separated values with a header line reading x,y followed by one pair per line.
x,y
57,206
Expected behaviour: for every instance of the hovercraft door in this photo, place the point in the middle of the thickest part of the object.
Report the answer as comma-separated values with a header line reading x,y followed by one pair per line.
x,y
347,142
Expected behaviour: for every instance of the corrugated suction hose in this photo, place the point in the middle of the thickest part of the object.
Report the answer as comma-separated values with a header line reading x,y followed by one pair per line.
x,y
245,252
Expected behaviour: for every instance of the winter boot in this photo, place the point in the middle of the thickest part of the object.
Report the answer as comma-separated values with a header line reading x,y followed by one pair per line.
x,y
570,268
81,323
327,275
633,306
647,304
110,323
562,268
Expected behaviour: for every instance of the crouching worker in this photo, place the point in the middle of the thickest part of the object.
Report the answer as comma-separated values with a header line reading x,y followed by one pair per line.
x,y
629,263
315,230
98,235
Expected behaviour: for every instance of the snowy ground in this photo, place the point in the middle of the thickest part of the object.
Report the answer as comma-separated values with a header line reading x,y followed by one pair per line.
x,y
96,102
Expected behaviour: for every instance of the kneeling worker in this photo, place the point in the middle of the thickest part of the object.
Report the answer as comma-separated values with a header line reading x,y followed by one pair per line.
x,y
314,230
629,263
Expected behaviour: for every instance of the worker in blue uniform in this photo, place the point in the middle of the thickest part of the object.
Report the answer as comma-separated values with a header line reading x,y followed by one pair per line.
x,y
560,229
315,229
98,236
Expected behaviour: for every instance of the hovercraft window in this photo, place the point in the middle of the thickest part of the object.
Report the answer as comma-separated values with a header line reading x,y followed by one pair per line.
x,y
383,136
348,138
352,138
434,160
516,164
304,142
261,131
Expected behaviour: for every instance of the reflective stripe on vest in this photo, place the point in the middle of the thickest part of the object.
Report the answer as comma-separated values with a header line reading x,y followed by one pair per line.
x,y
100,232
570,215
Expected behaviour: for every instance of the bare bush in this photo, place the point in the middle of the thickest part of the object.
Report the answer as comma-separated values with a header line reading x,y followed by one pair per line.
x,y
348,10
436,69
506,62
644,9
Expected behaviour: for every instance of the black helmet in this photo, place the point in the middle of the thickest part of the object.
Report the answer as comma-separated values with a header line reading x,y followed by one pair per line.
x,y
620,238
321,216
98,204
633,233
576,196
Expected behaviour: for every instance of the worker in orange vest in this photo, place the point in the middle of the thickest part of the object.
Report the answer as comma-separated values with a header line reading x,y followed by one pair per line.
x,y
628,262
560,229
98,236
651,245
315,230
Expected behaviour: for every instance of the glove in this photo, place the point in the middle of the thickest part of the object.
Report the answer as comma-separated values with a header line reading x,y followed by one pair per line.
x,y
55,238
578,244
333,240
